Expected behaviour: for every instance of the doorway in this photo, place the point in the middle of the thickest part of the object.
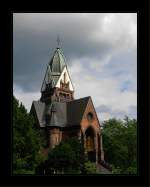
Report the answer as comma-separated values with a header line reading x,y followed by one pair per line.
x,y
90,145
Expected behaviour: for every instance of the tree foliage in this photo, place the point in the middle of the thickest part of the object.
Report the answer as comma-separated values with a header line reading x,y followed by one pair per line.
x,y
90,167
26,141
67,157
120,144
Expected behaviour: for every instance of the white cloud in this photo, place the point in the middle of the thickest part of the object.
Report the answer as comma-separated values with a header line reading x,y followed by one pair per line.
x,y
95,41
104,91
98,65
104,116
119,29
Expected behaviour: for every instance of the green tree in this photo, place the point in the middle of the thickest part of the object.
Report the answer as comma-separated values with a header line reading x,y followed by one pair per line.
x,y
26,141
90,167
120,144
67,157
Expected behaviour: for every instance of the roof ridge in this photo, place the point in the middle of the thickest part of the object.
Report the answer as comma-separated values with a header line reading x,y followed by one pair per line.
x,y
80,99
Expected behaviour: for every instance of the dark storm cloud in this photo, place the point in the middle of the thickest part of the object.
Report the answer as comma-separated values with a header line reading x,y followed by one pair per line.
x,y
75,32
30,59
34,37
100,50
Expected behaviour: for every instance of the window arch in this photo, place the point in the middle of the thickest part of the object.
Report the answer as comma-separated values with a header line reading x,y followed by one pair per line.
x,y
90,116
90,134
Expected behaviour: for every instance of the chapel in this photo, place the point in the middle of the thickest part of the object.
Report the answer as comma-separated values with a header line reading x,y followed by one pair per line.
x,y
60,115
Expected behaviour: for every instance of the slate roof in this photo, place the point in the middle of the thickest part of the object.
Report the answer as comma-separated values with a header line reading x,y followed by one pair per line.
x,y
54,69
75,110
38,109
60,114
57,62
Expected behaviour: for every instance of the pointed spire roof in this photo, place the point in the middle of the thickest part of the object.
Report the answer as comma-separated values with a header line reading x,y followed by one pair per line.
x,y
58,61
54,68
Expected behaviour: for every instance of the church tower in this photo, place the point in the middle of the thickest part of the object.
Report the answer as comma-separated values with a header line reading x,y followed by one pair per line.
x,y
57,84
60,116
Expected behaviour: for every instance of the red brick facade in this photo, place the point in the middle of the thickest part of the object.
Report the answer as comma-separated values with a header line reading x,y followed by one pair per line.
x,y
61,116
56,134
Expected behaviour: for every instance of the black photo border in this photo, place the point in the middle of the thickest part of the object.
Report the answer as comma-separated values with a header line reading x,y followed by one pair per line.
x,y
6,179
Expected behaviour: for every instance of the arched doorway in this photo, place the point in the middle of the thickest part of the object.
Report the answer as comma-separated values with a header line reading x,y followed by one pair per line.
x,y
90,144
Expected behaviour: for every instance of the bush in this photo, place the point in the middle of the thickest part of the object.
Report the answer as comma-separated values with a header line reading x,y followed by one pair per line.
x,y
23,172
116,170
90,167
67,157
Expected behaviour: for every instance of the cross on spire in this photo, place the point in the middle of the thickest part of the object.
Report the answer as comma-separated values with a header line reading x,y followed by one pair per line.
x,y
58,41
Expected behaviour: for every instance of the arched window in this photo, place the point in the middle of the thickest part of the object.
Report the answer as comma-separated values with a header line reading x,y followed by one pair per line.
x,y
90,117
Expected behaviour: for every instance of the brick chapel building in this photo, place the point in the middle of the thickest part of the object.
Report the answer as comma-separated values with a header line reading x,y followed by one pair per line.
x,y
61,115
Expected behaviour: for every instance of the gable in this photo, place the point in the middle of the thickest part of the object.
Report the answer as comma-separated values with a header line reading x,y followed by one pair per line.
x,y
67,79
38,111
85,123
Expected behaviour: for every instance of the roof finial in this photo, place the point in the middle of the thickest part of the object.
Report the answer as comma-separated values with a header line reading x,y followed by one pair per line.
x,y
58,41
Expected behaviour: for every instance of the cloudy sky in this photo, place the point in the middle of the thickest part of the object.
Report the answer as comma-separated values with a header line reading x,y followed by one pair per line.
x,y
101,53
